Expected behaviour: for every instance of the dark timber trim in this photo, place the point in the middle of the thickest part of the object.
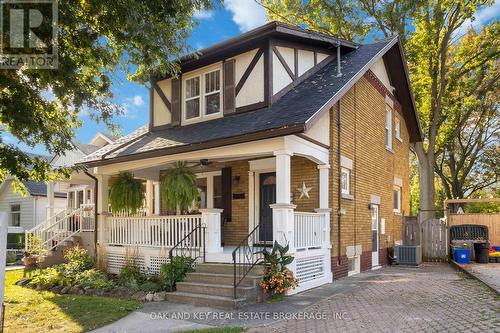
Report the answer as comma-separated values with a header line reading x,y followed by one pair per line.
x,y
316,142
268,72
303,77
151,104
283,62
296,62
249,70
162,96
251,107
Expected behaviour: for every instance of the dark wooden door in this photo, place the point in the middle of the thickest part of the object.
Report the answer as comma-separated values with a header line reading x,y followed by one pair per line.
x,y
267,197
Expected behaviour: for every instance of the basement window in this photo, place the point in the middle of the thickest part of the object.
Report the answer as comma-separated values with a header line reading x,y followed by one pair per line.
x,y
353,265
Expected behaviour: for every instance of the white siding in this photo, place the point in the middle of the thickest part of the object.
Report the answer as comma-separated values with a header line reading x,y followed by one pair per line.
x,y
69,159
8,197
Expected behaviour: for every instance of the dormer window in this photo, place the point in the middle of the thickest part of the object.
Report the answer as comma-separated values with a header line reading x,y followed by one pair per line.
x,y
202,95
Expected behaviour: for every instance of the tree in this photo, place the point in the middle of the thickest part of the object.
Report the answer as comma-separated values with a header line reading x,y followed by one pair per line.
x,y
427,30
468,154
428,49
96,38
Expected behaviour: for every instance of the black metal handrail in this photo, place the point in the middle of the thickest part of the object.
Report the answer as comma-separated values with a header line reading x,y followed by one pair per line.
x,y
246,255
192,245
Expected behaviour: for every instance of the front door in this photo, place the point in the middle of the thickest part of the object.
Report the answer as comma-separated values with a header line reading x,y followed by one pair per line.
x,y
267,185
374,211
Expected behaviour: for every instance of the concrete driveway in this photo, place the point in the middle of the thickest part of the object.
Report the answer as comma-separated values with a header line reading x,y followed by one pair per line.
x,y
431,298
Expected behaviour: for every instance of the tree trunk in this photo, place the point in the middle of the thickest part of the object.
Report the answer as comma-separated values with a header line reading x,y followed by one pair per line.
x,y
427,190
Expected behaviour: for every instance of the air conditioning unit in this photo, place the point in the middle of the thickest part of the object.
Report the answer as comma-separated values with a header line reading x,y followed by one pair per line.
x,y
408,255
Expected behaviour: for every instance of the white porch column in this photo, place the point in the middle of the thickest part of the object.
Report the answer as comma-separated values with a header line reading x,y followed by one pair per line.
x,y
251,201
211,219
210,191
102,207
149,197
156,186
324,209
50,198
283,224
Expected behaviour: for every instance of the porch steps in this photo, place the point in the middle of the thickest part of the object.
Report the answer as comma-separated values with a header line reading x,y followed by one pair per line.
x,y
212,285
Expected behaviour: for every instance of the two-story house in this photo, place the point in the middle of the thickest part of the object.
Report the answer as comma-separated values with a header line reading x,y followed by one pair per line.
x,y
295,137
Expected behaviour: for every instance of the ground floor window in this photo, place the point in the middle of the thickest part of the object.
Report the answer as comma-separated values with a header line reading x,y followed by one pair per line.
x,y
15,215
397,199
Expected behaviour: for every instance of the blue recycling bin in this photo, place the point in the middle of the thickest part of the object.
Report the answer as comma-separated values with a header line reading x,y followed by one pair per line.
x,y
462,256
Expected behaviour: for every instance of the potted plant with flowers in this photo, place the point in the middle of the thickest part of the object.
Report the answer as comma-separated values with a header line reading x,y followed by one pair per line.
x,y
277,279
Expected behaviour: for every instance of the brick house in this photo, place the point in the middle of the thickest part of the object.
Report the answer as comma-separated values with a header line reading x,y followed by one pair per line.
x,y
295,137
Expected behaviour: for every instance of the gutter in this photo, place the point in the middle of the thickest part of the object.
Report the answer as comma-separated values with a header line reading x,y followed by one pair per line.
x,y
339,171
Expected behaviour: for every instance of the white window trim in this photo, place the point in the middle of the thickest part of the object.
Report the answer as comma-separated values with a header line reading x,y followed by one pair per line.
x,y
388,128
201,74
397,210
397,129
348,172
11,220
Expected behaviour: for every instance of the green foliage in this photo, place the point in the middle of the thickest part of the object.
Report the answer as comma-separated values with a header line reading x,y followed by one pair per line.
x,y
175,271
126,193
15,241
96,38
178,187
78,261
149,286
52,276
277,259
484,207
94,278
131,277
35,249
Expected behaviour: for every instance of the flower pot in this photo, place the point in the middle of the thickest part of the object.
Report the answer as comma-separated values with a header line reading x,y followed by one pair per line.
x,y
30,262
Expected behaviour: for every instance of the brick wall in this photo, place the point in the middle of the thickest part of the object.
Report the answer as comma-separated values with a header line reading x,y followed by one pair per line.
x,y
363,110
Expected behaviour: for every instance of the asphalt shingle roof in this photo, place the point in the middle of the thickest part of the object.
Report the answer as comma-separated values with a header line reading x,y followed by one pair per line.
x,y
294,108
40,189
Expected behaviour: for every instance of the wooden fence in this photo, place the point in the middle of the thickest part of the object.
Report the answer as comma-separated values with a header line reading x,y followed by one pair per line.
x,y
431,235
492,221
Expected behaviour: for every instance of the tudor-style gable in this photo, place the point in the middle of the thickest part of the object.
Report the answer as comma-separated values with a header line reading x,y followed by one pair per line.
x,y
246,73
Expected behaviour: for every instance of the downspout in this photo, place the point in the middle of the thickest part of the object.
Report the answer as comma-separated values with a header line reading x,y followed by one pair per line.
x,y
339,173
96,182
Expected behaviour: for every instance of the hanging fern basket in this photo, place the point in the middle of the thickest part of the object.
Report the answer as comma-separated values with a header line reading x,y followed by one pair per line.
x,y
126,194
179,188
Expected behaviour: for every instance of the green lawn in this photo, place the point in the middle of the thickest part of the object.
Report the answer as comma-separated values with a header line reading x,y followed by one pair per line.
x,y
28,310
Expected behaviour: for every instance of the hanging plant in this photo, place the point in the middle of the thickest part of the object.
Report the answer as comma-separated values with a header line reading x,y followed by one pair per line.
x,y
126,194
178,187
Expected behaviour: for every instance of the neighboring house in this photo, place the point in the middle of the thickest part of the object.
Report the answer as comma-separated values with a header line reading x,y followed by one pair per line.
x,y
295,137
26,212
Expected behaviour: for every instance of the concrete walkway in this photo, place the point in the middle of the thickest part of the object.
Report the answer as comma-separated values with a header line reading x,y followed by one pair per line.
x,y
431,298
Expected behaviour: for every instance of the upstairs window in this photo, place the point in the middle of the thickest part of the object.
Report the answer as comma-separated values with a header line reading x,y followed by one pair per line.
x,y
15,215
193,97
388,128
345,181
202,96
397,129
397,199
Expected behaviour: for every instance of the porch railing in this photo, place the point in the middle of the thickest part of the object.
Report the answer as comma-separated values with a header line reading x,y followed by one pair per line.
x,y
155,231
309,230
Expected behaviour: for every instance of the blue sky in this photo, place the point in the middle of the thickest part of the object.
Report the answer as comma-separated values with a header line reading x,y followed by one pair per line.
x,y
229,20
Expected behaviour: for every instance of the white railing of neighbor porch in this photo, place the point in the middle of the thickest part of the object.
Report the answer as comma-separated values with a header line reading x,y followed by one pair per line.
x,y
154,231
309,230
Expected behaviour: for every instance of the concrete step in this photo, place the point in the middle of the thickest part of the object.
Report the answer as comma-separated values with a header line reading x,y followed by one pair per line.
x,y
221,279
226,269
247,292
206,300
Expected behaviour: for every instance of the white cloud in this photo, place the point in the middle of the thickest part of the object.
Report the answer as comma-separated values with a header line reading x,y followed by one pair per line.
x,y
247,14
203,14
481,17
136,100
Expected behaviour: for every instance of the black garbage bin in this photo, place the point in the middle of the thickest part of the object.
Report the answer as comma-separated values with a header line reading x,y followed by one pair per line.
x,y
481,251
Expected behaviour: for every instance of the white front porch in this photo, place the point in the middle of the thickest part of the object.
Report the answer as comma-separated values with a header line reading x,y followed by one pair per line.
x,y
149,238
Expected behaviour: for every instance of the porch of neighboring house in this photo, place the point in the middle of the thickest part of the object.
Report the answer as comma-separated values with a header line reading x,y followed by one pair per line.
x,y
250,195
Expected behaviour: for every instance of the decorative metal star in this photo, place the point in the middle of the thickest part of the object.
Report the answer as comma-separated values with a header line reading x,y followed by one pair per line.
x,y
304,190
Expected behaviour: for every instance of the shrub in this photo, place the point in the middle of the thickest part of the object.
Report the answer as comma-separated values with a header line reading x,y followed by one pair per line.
x,y
78,261
94,278
130,276
51,276
150,286
176,271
